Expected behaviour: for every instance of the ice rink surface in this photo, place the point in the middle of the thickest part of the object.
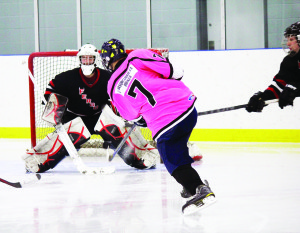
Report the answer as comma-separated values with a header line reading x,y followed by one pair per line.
x,y
257,188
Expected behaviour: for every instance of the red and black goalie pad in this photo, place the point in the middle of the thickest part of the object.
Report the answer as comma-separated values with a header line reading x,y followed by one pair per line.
x,y
57,151
113,136
55,108
54,158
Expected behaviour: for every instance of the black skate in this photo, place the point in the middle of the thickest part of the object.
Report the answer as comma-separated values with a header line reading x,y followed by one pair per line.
x,y
203,198
186,194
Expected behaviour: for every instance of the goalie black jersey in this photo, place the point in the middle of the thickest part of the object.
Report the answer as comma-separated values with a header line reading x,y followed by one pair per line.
x,y
84,98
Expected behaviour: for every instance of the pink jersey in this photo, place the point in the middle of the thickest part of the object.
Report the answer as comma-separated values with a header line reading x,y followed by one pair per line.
x,y
142,86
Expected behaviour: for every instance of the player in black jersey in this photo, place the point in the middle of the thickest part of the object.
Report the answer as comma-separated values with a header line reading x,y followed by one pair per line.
x,y
286,83
87,113
85,87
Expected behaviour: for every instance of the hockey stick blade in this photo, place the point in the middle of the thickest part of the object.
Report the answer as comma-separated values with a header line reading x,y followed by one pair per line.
x,y
81,167
110,157
20,184
233,108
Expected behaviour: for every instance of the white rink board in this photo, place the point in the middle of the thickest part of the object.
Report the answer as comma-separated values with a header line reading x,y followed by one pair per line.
x,y
227,78
218,78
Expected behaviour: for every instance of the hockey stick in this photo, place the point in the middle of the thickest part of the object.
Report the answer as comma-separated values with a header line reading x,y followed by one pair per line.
x,y
110,157
233,108
81,167
20,184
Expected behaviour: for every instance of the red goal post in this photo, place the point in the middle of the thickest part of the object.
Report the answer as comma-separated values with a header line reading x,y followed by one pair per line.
x,y
44,66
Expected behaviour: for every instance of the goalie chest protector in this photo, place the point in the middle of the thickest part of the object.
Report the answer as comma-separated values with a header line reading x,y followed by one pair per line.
x,y
84,98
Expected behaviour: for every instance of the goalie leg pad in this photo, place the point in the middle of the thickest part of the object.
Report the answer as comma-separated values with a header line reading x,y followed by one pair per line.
x,y
114,135
135,152
44,154
145,152
77,131
50,151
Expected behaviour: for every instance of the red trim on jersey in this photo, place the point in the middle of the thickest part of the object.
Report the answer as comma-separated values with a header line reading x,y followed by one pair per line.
x,y
281,81
84,79
274,92
51,83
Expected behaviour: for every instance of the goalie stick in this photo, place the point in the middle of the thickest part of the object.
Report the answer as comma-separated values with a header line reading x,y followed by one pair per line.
x,y
20,184
267,102
110,157
81,167
75,157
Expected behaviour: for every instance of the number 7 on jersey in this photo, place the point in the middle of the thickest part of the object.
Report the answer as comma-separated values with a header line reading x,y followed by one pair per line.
x,y
137,84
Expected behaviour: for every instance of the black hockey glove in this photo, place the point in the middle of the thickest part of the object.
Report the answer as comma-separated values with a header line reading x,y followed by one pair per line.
x,y
141,122
256,103
287,96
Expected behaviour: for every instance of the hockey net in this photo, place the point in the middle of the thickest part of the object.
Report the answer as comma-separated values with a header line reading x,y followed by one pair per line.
x,y
44,66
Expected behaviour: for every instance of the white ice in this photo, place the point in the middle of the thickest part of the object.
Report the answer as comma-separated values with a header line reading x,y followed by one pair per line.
x,y
257,188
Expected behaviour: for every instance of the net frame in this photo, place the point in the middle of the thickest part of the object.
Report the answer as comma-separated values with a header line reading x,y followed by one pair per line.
x,y
53,63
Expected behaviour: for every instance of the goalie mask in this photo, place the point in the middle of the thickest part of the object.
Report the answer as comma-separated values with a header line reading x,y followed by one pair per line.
x,y
291,33
112,51
88,56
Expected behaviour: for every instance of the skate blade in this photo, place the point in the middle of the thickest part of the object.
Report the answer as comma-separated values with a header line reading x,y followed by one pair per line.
x,y
193,208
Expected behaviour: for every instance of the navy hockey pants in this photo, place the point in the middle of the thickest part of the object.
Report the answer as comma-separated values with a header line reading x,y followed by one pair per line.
x,y
172,145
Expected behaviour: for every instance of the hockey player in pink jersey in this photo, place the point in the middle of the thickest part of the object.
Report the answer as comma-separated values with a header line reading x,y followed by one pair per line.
x,y
147,90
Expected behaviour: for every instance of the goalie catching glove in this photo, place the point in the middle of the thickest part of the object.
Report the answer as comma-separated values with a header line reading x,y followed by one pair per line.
x,y
136,152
